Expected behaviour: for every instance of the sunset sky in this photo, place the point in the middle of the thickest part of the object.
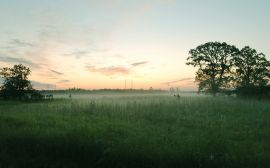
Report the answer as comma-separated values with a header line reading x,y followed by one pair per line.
x,y
94,44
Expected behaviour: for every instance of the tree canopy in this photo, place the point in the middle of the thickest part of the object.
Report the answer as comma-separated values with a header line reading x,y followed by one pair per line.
x,y
252,68
16,83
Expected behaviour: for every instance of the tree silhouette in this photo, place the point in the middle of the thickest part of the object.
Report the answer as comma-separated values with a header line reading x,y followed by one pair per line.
x,y
16,83
252,71
214,60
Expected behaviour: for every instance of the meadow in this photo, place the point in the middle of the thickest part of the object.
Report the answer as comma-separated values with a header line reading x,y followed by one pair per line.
x,y
135,130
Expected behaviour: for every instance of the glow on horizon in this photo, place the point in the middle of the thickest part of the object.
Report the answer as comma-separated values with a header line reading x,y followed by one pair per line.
x,y
95,44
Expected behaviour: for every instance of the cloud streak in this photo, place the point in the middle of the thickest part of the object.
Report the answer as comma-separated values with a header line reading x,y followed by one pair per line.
x,y
81,53
78,54
139,63
56,72
20,43
64,81
18,60
110,71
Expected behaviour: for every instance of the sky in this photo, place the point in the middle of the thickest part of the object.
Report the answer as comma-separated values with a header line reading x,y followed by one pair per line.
x,y
95,44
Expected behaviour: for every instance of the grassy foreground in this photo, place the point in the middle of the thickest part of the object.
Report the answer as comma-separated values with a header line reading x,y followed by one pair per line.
x,y
135,131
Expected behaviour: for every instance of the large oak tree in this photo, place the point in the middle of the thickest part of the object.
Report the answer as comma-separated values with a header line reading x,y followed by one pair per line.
x,y
214,62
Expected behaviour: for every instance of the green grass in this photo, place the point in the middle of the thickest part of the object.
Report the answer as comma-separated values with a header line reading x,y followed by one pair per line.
x,y
123,130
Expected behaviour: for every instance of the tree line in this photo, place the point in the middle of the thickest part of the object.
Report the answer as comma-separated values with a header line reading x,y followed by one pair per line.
x,y
225,68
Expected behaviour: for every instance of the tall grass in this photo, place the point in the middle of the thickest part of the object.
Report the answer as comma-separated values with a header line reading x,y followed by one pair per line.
x,y
135,131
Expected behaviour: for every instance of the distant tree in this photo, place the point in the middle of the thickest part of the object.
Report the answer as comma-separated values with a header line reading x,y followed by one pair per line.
x,y
214,60
16,84
252,72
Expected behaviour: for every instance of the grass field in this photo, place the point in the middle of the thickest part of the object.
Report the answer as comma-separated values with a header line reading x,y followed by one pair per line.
x,y
139,130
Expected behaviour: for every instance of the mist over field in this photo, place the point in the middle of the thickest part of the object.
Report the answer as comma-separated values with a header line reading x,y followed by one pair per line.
x,y
135,130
